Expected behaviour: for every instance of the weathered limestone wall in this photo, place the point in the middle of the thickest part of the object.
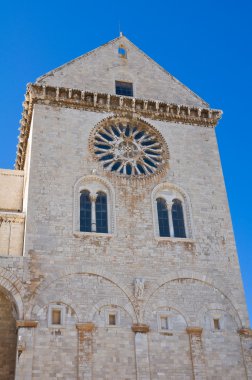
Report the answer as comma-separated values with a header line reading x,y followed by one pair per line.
x,y
11,217
193,281
11,190
130,275
11,234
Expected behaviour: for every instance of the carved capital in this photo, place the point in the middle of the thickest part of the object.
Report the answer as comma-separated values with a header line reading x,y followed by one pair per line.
x,y
86,327
27,324
194,330
246,332
140,328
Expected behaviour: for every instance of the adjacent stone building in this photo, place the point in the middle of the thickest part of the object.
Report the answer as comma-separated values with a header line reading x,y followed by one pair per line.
x,y
118,259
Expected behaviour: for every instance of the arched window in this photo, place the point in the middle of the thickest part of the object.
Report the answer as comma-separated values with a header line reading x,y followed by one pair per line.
x,y
172,214
163,219
85,211
178,219
94,201
101,213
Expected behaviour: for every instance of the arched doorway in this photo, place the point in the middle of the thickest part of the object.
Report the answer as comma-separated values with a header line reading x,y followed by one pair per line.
x,y
8,336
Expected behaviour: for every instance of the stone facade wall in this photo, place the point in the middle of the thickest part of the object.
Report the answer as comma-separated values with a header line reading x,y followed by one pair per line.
x,y
130,276
11,234
11,217
92,275
11,190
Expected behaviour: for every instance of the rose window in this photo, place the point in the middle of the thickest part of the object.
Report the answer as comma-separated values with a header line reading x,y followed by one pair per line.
x,y
129,149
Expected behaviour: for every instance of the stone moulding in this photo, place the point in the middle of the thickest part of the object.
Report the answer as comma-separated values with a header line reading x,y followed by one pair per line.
x,y
11,217
74,98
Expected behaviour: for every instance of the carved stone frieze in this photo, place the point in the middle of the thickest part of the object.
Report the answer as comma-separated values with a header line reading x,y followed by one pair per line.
x,y
11,217
98,102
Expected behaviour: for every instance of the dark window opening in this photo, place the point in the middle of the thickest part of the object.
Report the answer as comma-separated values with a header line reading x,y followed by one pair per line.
x,y
178,219
164,323
101,213
163,220
56,317
112,319
124,88
216,324
85,212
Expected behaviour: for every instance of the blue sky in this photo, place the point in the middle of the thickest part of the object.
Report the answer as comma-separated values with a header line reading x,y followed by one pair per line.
x,y
205,44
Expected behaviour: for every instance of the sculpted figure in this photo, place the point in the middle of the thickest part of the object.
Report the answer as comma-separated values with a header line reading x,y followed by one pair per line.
x,y
139,288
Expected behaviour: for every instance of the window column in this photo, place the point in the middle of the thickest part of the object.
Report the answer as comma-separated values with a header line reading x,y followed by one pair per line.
x,y
93,212
169,209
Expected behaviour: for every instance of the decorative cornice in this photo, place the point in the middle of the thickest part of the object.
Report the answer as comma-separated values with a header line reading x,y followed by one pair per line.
x,y
97,102
11,217
245,332
27,324
140,328
194,330
86,327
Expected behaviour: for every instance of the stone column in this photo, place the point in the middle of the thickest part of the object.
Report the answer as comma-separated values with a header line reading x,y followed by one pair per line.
x,y
142,351
169,210
93,212
25,349
246,343
85,350
197,353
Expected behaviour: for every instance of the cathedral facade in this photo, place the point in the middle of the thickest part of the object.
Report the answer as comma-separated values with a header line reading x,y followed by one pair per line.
x,y
117,254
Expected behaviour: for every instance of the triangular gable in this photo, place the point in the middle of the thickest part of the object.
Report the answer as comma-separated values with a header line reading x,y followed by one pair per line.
x,y
98,70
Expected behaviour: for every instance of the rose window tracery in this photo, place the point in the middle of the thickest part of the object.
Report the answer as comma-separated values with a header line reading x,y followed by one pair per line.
x,y
128,148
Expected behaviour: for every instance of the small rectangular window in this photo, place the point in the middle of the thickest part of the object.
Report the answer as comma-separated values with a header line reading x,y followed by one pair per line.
x,y
216,324
56,317
112,319
124,88
164,323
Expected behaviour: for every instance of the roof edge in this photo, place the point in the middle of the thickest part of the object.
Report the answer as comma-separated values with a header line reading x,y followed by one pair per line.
x,y
51,72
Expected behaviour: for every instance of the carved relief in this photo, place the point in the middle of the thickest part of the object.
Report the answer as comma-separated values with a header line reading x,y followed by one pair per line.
x,y
139,288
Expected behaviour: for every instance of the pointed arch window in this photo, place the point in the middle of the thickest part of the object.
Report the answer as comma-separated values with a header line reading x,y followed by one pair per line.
x,y
85,211
101,213
178,219
163,218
